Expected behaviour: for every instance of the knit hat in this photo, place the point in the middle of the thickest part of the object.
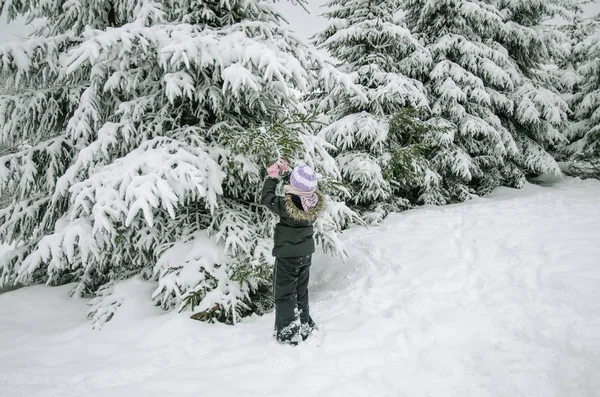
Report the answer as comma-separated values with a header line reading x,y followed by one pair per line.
x,y
304,179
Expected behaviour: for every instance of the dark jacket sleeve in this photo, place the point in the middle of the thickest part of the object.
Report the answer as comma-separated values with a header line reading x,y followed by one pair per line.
x,y
271,200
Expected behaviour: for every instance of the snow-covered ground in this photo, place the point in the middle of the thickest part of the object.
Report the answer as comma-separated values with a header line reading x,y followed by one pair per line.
x,y
496,297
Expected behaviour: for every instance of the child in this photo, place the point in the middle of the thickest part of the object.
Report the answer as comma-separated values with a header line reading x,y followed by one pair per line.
x,y
294,246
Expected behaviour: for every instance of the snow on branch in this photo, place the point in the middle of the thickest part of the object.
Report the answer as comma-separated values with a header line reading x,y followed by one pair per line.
x,y
161,173
357,129
22,60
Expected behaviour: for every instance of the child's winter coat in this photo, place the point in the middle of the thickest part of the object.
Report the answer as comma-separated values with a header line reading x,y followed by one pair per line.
x,y
294,232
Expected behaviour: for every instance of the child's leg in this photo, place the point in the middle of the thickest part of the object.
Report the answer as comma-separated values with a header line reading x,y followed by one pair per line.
x,y
285,284
302,289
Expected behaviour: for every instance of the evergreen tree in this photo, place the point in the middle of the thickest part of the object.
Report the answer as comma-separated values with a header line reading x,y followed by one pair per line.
x,y
576,28
584,86
385,168
150,125
5,149
539,120
485,80
4,198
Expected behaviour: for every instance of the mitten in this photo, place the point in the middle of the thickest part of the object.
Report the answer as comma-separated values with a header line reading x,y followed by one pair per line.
x,y
273,170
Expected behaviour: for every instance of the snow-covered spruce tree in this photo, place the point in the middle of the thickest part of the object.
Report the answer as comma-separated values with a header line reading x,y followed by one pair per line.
x,y
577,28
539,120
150,125
584,88
483,81
383,170
5,149
4,198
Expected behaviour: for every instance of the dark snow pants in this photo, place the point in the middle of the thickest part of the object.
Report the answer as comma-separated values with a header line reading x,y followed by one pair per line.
x,y
290,287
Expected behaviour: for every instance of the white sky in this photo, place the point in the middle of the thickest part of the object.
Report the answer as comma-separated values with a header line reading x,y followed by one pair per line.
x,y
305,24
9,32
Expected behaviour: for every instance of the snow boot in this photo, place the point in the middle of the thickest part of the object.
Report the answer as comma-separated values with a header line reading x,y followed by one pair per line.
x,y
307,328
289,335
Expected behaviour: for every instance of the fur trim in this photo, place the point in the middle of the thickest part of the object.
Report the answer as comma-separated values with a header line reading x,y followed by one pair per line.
x,y
309,216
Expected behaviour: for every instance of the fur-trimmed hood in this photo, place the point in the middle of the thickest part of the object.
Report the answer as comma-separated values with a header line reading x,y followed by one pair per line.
x,y
311,215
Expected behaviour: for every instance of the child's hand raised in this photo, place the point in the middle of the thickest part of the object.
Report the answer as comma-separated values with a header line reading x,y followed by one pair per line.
x,y
273,170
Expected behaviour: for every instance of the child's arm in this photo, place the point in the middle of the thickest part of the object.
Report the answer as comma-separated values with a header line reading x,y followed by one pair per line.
x,y
268,197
